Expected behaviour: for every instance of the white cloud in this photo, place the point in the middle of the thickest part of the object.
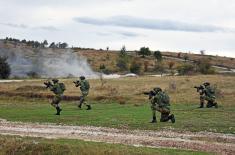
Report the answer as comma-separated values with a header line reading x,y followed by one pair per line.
x,y
159,24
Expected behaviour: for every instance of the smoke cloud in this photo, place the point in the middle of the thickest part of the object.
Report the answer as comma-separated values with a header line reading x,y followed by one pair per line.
x,y
46,62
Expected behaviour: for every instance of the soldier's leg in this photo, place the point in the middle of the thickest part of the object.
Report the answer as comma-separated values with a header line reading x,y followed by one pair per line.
x,y
57,104
81,100
86,103
58,109
166,116
210,102
202,101
154,118
53,102
215,104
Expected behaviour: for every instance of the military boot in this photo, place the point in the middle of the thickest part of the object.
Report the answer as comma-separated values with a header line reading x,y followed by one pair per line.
x,y
201,105
154,120
216,105
88,107
172,118
58,110
80,106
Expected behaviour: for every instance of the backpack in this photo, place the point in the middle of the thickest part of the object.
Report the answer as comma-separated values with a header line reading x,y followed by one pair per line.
x,y
62,87
166,98
87,85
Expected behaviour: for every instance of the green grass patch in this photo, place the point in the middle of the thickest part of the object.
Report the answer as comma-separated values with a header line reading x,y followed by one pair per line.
x,y
18,145
188,117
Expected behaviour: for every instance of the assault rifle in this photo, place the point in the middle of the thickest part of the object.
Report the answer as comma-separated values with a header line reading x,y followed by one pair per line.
x,y
199,88
150,94
77,83
48,84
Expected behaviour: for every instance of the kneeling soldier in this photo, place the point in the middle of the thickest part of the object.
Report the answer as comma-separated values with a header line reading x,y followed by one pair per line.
x,y
209,96
161,102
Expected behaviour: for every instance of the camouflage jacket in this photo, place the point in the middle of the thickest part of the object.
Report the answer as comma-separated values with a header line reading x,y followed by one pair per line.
x,y
209,91
56,89
84,86
161,99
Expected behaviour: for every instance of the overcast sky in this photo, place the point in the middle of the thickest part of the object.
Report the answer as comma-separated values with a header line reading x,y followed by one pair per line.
x,y
173,25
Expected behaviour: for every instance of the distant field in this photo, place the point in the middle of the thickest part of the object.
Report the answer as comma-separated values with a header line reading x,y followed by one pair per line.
x,y
215,60
130,90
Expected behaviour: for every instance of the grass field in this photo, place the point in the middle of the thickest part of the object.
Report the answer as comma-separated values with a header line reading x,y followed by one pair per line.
x,y
188,118
118,104
24,146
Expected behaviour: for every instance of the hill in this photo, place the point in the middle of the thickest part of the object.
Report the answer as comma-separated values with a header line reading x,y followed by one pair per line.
x,y
27,60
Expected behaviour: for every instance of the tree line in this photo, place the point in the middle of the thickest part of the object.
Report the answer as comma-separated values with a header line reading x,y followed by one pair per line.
x,y
36,44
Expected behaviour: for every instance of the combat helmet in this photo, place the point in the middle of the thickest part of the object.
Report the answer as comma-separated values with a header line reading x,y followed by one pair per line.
x,y
157,89
206,83
55,80
82,77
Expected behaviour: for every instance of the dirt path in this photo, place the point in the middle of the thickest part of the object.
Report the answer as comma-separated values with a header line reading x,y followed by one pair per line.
x,y
201,141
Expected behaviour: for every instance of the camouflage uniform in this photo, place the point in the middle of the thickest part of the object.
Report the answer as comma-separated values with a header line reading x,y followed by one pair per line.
x,y
84,87
161,103
208,94
58,91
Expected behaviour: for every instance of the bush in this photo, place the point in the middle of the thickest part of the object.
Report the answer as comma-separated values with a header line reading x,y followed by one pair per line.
x,y
122,64
186,69
159,68
135,67
158,55
144,51
204,66
5,69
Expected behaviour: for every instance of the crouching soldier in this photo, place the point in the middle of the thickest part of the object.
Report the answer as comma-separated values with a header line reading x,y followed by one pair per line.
x,y
58,89
209,96
84,87
161,102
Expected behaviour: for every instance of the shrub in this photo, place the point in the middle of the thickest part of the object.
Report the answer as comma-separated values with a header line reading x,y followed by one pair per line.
x,y
159,67
186,69
144,51
122,64
5,69
204,66
135,67
158,55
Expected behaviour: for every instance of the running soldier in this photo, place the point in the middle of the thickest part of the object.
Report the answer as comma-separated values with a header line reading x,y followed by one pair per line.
x,y
58,89
84,87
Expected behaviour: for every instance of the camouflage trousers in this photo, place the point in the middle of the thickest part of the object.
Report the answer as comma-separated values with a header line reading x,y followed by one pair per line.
x,y
56,101
211,101
165,112
83,99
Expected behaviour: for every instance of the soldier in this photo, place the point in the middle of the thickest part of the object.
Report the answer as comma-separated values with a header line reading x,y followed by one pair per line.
x,y
84,87
208,94
161,102
58,89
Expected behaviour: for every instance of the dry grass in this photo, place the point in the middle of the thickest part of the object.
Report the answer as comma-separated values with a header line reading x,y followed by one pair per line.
x,y
215,60
97,58
130,89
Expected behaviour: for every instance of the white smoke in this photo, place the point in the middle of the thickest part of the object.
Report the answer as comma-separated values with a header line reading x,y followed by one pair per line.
x,y
46,62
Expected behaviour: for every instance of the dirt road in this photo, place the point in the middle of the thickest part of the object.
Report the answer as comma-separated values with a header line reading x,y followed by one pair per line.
x,y
201,141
